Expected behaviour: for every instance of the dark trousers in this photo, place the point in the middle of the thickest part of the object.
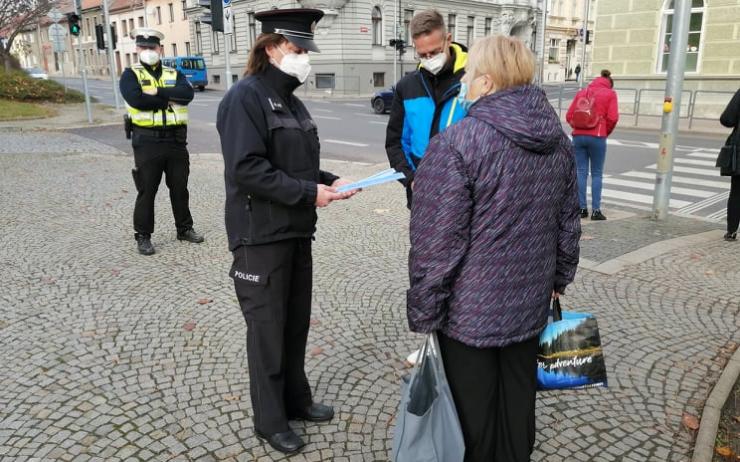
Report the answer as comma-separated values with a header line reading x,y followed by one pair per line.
x,y
494,392
733,205
273,283
152,158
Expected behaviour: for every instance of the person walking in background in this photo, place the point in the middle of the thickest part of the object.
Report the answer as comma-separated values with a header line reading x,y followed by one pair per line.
x,y
424,101
271,150
578,71
593,115
731,119
495,234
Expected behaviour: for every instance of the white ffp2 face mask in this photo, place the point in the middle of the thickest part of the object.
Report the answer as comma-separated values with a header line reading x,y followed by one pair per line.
x,y
435,63
296,65
149,57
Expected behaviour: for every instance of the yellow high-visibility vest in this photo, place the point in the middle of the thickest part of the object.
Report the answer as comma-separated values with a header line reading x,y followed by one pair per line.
x,y
175,114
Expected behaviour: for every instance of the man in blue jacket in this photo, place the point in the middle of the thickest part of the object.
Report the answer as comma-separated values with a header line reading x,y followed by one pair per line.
x,y
424,102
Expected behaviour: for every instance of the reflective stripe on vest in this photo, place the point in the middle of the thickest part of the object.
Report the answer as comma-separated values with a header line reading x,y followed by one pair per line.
x,y
175,114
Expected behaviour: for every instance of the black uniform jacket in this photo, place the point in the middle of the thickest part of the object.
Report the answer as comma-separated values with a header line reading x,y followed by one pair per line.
x,y
181,93
271,160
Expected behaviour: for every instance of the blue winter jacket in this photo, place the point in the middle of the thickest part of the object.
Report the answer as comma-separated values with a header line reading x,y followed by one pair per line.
x,y
423,105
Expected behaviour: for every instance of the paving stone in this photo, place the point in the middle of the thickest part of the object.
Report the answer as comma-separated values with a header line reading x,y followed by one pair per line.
x,y
98,364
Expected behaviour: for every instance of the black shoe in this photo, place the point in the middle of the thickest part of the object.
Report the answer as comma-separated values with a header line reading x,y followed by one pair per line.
x,y
316,412
598,216
286,442
731,237
190,236
584,213
144,244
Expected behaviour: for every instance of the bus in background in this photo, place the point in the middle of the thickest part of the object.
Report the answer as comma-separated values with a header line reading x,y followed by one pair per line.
x,y
193,67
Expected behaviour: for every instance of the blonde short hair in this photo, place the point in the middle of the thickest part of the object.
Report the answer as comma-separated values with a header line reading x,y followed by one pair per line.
x,y
506,60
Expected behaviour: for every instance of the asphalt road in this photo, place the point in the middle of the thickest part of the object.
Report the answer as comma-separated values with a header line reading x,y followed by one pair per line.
x,y
351,131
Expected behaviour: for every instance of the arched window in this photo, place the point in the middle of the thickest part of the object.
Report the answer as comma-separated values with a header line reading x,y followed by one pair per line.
x,y
695,28
377,17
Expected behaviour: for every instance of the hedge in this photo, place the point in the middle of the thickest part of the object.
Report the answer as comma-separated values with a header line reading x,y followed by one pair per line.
x,y
19,86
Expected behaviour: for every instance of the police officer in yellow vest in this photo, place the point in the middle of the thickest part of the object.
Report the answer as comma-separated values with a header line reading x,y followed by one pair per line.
x,y
157,98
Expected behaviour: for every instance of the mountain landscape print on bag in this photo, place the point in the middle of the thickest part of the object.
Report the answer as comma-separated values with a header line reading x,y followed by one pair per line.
x,y
570,354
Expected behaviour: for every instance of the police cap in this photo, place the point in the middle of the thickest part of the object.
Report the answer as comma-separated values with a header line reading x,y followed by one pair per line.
x,y
146,36
297,25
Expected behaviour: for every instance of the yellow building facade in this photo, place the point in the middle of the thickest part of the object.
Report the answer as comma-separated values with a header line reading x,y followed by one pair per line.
x,y
633,40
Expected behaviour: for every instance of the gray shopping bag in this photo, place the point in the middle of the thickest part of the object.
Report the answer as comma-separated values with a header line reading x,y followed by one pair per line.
x,y
427,426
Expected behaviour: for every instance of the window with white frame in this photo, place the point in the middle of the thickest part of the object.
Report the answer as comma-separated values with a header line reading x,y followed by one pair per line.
x,y
553,55
198,39
377,18
408,15
488,26
232,36
470,31
695,35
452,25
215,45
183,7
158,14
252,30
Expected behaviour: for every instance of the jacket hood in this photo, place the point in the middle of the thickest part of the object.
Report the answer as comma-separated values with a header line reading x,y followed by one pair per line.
x,y
524,116
600,82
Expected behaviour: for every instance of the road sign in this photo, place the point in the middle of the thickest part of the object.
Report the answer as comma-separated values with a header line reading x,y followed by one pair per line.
x,y
57,32
228,18
55,15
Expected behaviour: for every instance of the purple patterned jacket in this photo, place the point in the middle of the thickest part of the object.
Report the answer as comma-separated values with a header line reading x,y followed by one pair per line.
x,y
495,222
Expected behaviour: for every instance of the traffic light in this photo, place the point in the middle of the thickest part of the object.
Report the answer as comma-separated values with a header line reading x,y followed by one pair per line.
x,y
74,24
216,16
99,38
588,36
398,44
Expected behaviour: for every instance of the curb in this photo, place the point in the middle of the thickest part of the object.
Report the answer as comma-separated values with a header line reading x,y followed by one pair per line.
x,y
615,265
704,447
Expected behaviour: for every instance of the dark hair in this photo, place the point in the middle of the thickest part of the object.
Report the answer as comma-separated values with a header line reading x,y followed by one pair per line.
x,y
258,61
426,22
607,74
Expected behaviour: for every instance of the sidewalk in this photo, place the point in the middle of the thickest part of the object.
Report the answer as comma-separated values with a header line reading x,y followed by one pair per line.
x,y
68,116
112,356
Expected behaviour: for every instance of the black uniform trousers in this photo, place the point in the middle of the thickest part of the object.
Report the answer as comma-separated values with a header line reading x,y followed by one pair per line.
x,y
494,393
273,283
733,205
158,152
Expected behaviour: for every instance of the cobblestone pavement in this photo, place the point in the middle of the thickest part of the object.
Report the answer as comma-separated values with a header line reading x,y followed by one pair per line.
x,y
111,356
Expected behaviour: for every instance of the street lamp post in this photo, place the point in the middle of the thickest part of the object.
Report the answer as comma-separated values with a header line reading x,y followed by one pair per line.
x,y
543,39
587,4
671,108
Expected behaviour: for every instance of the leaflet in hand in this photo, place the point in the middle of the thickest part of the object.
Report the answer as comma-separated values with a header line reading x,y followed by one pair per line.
x,y
379,178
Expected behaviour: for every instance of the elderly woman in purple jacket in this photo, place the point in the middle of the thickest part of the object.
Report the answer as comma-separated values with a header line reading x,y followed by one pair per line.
x,y
495,228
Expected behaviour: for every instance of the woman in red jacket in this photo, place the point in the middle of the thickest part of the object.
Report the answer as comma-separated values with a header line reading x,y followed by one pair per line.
x,y
593,115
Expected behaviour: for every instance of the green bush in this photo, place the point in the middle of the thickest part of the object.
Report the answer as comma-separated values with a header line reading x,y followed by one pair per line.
x,y
19,86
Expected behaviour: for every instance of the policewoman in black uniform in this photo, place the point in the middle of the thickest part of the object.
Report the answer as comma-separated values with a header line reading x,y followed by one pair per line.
x,y
273,186
156,99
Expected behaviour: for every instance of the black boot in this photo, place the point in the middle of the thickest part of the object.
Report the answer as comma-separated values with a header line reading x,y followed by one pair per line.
x,y
584,213
316,412
598,216
286,442
144,244
731,237
191,236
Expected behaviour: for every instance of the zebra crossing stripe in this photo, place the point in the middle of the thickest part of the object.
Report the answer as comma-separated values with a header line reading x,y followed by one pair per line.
x,y
704,163
693,171
721,185
705,203
651,186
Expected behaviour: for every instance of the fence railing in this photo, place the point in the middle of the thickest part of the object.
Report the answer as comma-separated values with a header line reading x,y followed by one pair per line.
x,y
648,102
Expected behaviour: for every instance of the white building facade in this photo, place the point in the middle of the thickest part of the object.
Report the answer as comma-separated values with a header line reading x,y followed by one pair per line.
x,y
564,39
354,35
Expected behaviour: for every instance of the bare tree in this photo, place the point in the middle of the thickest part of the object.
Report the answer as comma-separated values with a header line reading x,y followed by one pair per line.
x,y
16,16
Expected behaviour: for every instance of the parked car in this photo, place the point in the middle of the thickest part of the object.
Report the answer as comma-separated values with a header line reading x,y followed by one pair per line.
x,y
37,73
382,100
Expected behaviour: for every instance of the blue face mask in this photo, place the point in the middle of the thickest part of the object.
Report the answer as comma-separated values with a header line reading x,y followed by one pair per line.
x,y
462,98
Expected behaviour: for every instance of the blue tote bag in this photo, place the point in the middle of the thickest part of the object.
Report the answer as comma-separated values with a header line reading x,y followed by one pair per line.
x,y
570,353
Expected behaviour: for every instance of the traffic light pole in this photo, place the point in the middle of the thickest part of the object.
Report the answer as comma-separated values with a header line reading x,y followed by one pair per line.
x,y
83,71
671,108
109,50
